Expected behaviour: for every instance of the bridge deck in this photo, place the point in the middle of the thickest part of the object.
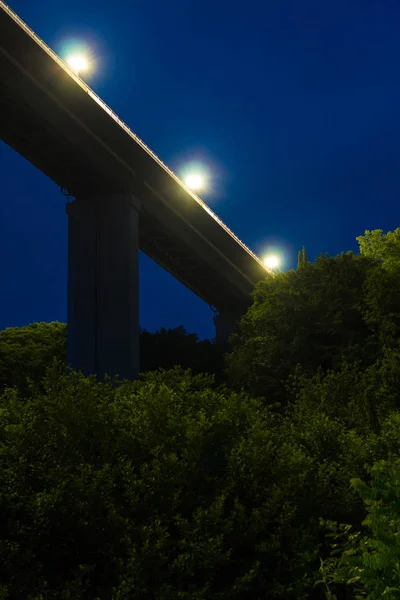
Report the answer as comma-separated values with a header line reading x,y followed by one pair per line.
x,y
59,124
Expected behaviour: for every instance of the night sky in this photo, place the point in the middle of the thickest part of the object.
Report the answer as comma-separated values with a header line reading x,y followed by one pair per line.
x,y
292,106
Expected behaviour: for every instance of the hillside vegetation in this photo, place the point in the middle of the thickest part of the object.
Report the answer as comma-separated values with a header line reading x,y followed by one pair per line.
x,y
273,476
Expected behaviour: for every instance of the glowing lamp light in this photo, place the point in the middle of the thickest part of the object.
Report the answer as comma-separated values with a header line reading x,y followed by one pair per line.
x,y
272,261
194,181
78,63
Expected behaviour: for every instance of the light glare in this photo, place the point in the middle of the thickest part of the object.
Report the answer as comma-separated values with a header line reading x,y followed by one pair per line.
x,y
78,63
194,181
272,261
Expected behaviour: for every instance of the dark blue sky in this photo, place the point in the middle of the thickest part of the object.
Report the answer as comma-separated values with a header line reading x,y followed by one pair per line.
x,y
293,105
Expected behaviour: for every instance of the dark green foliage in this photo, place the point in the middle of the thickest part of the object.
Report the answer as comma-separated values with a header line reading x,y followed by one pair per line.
x,y
155,489
301,258
382,291
170,347
313,317
167,488
368,561
385,247
26,352
177,487
361,397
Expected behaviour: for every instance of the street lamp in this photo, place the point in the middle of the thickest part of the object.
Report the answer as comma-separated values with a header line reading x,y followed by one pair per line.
x,y
272,261
194,181
78,62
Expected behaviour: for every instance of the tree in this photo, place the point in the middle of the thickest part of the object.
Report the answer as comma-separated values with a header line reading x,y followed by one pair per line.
x,y
167,348
301,258
175,486
359,397
382,288
369,560
167,487
162,488
384,247
313,317
27,352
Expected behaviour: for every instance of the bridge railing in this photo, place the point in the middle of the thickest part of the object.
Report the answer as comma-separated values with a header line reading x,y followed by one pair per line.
x,y
114,116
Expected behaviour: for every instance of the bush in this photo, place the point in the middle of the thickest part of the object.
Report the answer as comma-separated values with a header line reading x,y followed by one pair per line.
x,y
27,352
312,317
155,489
369,559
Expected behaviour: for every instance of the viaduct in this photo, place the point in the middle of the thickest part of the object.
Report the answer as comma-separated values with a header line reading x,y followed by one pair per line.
x,y
125,199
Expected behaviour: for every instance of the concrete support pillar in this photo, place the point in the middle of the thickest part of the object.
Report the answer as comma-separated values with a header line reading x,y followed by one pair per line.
x,y
225,325
103,301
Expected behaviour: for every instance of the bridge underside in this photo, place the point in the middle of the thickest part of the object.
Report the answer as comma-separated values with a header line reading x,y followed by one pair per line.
x,y
182,252
57,123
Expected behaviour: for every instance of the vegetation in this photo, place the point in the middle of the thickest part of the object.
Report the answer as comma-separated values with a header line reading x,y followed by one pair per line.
x,y
279,479
301,258
370,562
170,347
27,352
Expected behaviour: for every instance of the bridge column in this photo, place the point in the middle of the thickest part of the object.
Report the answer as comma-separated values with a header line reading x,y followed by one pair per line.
x,y
103,302
226,323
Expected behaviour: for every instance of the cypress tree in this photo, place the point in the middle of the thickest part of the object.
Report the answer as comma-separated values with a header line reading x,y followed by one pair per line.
x,y
301,258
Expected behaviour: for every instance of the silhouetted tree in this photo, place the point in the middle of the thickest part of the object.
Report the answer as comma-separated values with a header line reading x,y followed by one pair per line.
x,y
167,348
301,258
26,352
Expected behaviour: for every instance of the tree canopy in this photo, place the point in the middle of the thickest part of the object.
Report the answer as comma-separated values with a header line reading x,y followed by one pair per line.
x,y
27,352
281,482
343,308
165,488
